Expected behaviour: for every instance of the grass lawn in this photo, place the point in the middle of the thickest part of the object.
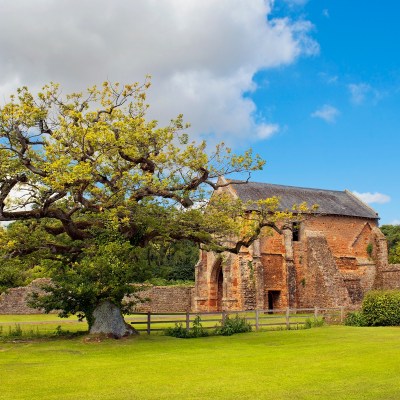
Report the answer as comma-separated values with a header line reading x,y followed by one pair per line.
x,y
333,362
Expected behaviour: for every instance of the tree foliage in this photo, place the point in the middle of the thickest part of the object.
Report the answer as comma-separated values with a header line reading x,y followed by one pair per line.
x,y
173,261
25,256
93,185
392,233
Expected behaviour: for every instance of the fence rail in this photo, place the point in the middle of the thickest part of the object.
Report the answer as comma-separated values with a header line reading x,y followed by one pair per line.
x,y
259,319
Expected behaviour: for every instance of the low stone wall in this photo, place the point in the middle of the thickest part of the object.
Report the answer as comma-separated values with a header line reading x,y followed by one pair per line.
x,y
14,301
161,299
167,299
390,277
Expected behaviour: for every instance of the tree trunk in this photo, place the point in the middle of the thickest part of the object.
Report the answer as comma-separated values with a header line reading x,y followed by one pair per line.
x,y
108,320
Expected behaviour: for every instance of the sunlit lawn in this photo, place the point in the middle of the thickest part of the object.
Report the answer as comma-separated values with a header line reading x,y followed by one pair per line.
x,y
334,362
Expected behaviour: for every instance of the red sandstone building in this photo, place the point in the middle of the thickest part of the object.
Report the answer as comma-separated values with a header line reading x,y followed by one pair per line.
x,y
329,259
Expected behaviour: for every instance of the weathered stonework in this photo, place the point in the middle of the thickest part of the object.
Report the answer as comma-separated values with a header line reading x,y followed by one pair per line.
x,y
389,278
161,299
166,299
332,259
15,300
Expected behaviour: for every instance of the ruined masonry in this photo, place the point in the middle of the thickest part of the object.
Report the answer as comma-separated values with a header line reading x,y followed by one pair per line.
x,y
330,259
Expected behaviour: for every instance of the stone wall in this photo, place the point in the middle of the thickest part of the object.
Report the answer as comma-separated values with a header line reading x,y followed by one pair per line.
x,y
14,301
323,284
390,277
346,236
162,299
167,299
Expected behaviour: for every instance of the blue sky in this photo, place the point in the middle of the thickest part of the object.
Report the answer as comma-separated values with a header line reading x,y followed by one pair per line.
x,y
338,109
312,86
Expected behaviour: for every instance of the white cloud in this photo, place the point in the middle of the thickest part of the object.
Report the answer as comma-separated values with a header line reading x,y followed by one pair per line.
x,y
264,131
373,197
363,92
202,54
327,113
19,199
395,222
359,92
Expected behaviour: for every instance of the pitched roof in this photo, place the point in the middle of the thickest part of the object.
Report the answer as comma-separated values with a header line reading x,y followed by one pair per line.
x,y
330,202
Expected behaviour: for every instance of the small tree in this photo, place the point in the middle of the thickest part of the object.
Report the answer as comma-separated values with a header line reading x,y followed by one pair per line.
x,y
80,168
392,233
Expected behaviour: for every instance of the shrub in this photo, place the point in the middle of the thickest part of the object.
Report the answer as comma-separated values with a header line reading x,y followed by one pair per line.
x,y
370,249
177,331
180,332
313,323
15,332
198,330
233,325
382,308
355,319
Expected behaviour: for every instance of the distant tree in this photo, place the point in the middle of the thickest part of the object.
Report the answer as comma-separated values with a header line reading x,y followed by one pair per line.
x,y
174,261
95,185
24,247
18,264
392,233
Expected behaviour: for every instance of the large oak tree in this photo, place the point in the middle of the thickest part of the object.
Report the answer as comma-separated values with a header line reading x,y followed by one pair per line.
x,y
94,182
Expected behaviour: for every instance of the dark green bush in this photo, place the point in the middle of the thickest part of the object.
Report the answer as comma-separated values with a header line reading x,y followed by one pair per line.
x,y
228,328
233,325
382,308
355,319
179,331
313,323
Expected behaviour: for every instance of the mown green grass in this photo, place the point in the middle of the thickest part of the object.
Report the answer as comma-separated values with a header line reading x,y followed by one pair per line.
x,y
321,363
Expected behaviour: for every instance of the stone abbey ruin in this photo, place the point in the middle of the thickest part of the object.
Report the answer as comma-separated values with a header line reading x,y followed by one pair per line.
x,y
331,258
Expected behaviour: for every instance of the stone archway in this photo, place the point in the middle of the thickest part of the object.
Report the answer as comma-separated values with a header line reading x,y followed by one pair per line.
x,y
216,287
220,289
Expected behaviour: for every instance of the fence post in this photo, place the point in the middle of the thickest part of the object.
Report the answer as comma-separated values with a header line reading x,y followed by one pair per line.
x,y
187,321
148,322
288,318
257,321
223,317
315,314
341,314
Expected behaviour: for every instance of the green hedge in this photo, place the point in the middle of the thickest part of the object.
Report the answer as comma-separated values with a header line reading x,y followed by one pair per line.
x,y
355,319
379,308
228,328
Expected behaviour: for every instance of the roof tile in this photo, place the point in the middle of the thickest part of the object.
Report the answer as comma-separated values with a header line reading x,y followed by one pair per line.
x,y
330,202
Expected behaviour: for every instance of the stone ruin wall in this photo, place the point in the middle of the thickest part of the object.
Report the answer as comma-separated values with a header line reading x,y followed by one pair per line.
x,y
346,264
390,277
162,299
332,268
322,284
167,299
14,301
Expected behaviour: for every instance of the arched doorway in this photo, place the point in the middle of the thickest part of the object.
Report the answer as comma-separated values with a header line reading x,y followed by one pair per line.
x,y
216,286
220,289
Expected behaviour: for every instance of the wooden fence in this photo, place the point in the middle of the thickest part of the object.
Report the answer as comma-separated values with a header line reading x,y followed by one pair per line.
x,y
259,319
